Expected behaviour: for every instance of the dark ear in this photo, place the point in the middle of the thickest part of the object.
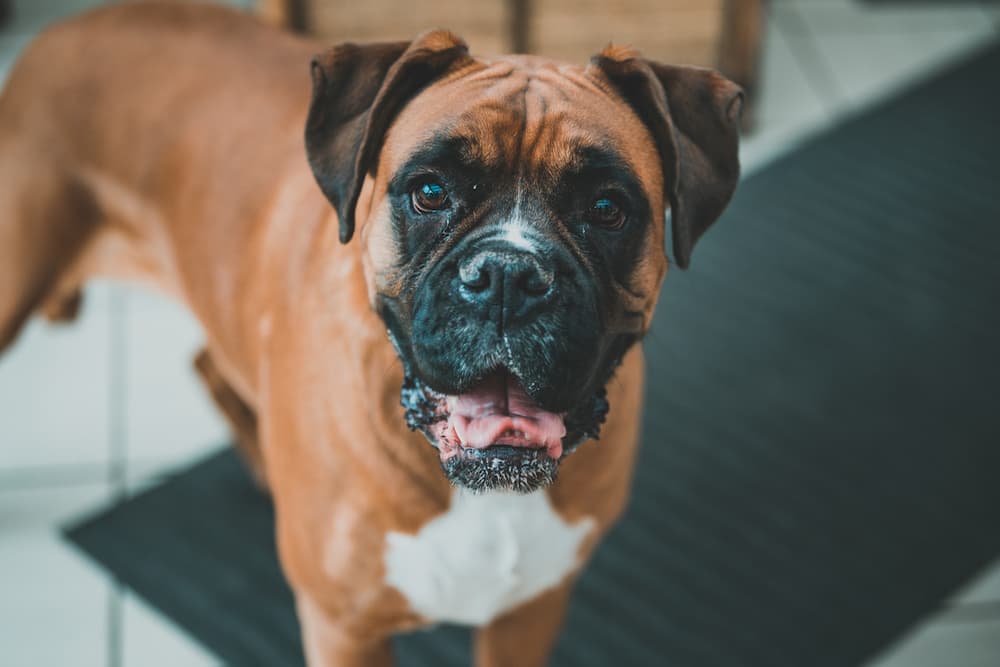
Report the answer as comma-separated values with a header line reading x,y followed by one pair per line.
x,y
694,116
357,92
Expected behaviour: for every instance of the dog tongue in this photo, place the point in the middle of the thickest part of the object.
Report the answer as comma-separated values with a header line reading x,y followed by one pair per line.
x,y
500,406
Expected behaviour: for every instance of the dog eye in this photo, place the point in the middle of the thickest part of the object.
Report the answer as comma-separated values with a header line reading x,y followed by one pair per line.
x,y
428,197
606,213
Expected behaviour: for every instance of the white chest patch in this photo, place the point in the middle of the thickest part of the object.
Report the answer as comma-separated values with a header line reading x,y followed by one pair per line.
x,y
487,554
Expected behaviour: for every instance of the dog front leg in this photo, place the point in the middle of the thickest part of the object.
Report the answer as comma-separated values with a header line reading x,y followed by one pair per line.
x,y
327,644
524,637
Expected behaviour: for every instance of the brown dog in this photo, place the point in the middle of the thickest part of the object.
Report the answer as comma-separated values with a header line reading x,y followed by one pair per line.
x,y
509,215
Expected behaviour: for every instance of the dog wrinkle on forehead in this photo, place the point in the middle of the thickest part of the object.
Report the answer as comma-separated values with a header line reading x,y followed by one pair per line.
x,y
527,112
473,99
563,116
587,112
443,104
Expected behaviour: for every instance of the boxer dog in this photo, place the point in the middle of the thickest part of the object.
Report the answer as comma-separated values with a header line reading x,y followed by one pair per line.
x,y
419,373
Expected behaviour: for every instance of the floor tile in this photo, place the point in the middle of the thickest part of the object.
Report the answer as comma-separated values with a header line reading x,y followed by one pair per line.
x,y
54,389
861,52
786,92
787,105
150,640
170,417
60,476
869,66
946,644
53,606
854,16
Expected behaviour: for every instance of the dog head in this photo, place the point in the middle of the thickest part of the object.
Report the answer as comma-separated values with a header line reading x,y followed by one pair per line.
x,y
512,212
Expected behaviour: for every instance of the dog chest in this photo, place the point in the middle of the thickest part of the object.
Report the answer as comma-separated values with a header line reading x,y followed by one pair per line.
x,y
486,555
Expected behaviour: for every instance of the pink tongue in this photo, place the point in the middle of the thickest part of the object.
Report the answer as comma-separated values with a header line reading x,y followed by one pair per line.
x,y
498,406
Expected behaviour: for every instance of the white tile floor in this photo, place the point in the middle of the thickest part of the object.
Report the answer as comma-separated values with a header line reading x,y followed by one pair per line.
x,y
116,391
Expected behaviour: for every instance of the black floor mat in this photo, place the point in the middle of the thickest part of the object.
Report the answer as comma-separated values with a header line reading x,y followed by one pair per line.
x,y
821,460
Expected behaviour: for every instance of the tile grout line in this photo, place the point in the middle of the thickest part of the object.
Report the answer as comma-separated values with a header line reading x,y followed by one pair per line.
x,y
71,475
117,467
54,475
115,630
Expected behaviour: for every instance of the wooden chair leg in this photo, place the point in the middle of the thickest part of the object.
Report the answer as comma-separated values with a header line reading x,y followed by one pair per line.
x,y
289,14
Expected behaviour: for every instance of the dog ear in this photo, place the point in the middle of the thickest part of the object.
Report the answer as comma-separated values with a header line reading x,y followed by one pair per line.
x,y
694,115
357,92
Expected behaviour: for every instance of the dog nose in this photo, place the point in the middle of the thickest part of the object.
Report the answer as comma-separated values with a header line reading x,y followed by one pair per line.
x,y
515,281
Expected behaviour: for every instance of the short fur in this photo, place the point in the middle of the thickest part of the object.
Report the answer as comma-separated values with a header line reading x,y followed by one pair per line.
x,y
164,144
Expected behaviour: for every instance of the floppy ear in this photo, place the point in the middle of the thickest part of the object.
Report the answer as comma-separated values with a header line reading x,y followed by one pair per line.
x,y
694,115
357,92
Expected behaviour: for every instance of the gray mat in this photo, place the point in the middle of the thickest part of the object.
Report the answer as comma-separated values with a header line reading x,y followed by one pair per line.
x,y
821,459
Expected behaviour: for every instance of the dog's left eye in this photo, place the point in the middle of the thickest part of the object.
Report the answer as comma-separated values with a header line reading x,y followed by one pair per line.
x,y
428,197
605,212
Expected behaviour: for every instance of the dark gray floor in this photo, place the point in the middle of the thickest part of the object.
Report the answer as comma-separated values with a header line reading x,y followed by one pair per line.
x,y
821,459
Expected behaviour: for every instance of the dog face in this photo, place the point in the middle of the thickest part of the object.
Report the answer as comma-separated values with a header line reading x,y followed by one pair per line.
x,y
512,212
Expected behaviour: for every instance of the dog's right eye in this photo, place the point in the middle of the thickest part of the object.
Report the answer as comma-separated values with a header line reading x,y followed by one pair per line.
x,y
429,197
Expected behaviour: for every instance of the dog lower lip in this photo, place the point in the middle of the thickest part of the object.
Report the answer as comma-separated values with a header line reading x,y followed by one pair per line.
x,y
499,451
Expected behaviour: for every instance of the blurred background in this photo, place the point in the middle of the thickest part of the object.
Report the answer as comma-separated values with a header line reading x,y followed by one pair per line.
x,y
105,407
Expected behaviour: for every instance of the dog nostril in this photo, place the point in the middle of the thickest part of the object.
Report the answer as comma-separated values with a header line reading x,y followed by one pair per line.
x,y
534,283
534,279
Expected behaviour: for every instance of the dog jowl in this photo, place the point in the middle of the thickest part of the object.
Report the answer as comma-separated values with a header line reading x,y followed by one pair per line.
x,y
515,227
